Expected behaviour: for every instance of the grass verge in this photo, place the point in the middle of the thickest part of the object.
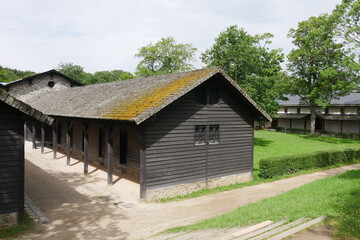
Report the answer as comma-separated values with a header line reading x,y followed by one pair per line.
x,y
274,144
336,197
13,231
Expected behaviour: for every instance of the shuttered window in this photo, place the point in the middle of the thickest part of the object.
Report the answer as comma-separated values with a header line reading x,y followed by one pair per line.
x,y
200,134
214,134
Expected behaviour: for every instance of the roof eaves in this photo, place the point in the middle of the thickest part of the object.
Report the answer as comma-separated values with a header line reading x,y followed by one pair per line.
x,y
24,108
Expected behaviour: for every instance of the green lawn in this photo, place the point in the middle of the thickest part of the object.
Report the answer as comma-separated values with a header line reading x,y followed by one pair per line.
x,y
273,144
13,231
336,197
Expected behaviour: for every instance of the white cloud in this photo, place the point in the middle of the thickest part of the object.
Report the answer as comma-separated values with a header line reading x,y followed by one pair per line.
x,y
103,35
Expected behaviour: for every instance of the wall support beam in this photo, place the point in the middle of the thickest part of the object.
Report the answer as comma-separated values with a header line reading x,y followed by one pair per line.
x,y
85,128
68,127
109,129
54,140
141,136
33,136
42,137
20,217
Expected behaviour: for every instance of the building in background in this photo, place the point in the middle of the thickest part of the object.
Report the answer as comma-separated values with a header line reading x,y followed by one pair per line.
x,y
342,115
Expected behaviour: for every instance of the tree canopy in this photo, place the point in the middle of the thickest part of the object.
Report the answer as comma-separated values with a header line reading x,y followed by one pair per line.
x,y
165,56
77,72
250,62
9,75
320,66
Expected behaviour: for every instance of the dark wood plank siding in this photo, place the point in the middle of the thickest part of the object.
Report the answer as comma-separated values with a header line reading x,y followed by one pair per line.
x,y
11,159
171,154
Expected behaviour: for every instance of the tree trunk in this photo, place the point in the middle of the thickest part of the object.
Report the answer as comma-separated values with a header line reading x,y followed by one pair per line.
x,y
312,120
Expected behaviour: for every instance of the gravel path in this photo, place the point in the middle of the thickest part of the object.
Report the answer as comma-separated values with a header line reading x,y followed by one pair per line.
x,y
78,209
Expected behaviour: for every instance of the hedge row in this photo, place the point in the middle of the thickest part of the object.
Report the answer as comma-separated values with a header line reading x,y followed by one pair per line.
x,y
285,165
352,136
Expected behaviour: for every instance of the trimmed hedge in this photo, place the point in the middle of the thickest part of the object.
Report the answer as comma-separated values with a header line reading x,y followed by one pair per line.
x,y
285,165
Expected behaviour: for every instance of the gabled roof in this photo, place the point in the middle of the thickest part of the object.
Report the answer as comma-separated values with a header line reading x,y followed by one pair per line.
x,y
353,99
131,100
24,108
52,71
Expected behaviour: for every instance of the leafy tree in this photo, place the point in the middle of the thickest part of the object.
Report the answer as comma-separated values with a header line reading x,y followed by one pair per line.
x,y
165,56
250,62
74,71
110,76
348,17
320,66
77,72
9,74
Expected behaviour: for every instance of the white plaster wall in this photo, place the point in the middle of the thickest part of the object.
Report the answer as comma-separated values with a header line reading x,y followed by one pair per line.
x,y
332,126
39,85
334,110
305,110
351,126
281,110
350,110
285,123
292,109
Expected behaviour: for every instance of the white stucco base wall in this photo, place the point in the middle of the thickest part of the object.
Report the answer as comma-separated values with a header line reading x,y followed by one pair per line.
x,y
181,189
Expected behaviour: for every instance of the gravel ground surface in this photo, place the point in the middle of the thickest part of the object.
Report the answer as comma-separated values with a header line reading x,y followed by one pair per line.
x,y
83,207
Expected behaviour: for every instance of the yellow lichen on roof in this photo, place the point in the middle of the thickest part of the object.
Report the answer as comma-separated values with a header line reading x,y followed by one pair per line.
x,y
131,109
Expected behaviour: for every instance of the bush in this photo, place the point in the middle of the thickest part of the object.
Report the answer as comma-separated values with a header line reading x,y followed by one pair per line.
x,y
285,165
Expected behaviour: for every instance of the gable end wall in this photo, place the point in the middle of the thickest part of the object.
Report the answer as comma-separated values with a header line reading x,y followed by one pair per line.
x,y
172,158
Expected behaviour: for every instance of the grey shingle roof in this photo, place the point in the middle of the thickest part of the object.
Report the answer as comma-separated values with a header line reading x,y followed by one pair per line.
x,y
24,108
131,100
351,99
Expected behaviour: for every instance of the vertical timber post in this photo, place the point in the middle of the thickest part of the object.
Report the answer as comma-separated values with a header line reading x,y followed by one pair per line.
x,y
68,126
33,136
85,127
141,136
42,137
110,152
54,140
20,214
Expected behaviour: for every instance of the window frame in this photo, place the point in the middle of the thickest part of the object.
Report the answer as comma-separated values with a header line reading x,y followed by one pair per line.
x,y
218,134
326,110
203,142
342,110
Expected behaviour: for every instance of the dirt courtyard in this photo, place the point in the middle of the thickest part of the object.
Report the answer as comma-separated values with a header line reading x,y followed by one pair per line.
x,y
83,207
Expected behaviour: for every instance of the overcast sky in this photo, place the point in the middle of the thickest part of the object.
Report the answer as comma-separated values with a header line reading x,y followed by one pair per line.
x,y
106,34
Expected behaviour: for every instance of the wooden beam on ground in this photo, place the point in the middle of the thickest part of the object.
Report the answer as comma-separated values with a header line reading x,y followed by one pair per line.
x,y
42,137
68,126
109,129
54,130
33,136
85,128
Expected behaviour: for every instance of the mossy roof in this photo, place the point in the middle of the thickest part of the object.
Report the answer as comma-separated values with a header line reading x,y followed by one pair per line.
x,y
24,108
131,100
